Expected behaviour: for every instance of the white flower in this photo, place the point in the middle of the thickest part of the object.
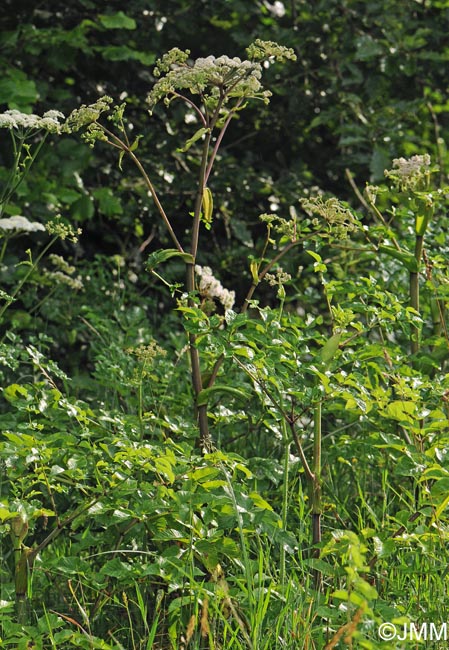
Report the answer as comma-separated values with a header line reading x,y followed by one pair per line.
x,y
20,223
14,119
54,115
210,287
277,8
410,173
7,121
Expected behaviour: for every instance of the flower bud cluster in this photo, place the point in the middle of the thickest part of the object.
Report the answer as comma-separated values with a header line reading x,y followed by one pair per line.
x,y
339,219
62,230
85,115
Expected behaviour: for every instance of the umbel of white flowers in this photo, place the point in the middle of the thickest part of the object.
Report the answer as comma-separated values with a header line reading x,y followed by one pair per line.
x,y
23,122
411,173
213,77
20,224
210,287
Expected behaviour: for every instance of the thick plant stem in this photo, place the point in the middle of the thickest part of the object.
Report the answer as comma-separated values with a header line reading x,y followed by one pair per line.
x,y
316,489
316,483
287,443
414,292
21,582
201,411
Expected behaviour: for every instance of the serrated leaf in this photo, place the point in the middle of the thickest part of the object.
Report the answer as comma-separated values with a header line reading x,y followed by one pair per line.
x,y
165,254
14,392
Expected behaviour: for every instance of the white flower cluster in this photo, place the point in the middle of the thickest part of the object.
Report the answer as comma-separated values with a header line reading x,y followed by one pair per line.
x,y
214,77
411,166
21,224
64,273
50,121
410,173
224,70
210,287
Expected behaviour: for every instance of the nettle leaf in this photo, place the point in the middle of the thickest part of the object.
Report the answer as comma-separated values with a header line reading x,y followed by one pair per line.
x,y
117,21
195,137
165,254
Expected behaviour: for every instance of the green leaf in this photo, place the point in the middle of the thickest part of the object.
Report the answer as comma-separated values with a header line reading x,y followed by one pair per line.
x,y
407,259
401,411
109,204
330,348
117,21
165,254
204,395
125,53
83,209
196,136
259,501
14,392
135,144
120,159
16,90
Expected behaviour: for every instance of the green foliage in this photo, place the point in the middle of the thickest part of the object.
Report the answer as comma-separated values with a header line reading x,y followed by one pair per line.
x,y
219,429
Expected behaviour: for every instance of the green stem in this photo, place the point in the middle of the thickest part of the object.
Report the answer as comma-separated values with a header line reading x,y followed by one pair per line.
x,y
27,275
284,515
414,292
316,483
154,196
201,411
218,363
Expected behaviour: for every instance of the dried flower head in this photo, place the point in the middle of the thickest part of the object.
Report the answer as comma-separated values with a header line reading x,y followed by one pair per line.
x,y
280,277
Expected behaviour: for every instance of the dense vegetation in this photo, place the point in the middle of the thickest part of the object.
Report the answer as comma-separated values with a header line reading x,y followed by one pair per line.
x,y
224,393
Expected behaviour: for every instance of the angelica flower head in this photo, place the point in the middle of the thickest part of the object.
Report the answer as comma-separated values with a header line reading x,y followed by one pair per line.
x,y
20,224
211,288
85,115
25,123
208,76
410,173
338,219
215,77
